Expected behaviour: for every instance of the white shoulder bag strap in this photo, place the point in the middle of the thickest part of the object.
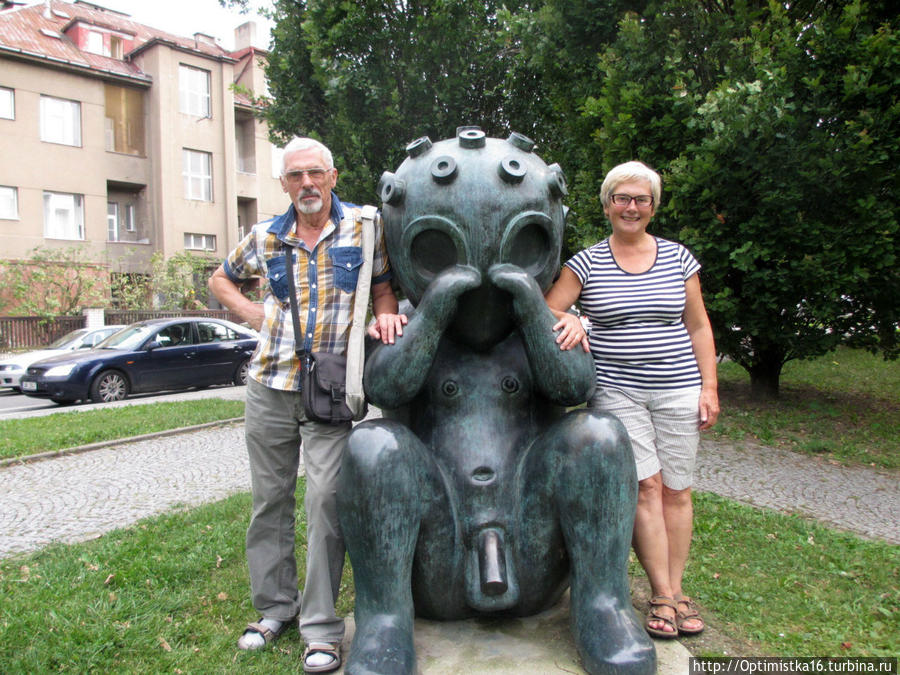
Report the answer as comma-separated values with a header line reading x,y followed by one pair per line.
x,y
356,398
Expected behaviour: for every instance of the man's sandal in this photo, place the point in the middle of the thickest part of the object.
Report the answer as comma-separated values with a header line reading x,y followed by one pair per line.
x,y
654,615
268,635
313,648
690,614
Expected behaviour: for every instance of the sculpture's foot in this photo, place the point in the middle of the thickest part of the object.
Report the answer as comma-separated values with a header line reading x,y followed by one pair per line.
x,y
610,639
382,645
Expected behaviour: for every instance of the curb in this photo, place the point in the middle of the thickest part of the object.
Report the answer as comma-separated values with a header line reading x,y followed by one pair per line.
x,y
27,459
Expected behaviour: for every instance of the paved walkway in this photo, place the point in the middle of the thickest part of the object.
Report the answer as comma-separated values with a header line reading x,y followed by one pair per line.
x,y
78,497
863,500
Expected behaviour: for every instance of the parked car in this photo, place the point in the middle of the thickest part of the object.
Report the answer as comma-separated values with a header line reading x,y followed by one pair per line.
x,y
13,368
153,355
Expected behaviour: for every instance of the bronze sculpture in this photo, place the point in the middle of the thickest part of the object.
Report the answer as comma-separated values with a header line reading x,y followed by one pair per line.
x,y
478,493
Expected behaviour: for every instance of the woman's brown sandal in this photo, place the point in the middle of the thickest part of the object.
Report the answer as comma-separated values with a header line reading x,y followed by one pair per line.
x,y
654,615
691,614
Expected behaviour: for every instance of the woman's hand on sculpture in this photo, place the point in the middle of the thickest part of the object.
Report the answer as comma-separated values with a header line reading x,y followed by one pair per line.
x,y
571,332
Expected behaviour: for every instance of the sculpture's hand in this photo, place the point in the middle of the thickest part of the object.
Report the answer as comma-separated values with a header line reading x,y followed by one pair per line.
x,y
564,376
439,302
517,282
395,372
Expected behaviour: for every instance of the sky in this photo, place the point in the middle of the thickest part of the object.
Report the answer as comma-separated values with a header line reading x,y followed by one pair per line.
x,y
186,17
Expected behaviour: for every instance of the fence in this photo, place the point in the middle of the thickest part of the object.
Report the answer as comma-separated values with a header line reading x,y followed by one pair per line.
x,y
127,316
30,332
18,332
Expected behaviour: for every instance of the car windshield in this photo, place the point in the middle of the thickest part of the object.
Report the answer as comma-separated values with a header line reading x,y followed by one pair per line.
x,y
68,339
129,338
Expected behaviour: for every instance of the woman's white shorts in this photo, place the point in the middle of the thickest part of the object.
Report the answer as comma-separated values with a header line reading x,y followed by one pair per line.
x,y
663,427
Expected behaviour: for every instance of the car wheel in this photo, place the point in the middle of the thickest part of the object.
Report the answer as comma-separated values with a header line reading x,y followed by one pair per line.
x,y
240,375
109,385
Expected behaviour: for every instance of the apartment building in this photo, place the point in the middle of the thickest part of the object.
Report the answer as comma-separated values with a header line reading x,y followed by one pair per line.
x,y
127,140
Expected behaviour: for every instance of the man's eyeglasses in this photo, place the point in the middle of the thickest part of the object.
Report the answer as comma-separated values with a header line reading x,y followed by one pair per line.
x,y
316,174
624,200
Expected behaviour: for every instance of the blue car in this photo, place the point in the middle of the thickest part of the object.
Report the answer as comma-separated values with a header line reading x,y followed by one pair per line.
x,y
147,356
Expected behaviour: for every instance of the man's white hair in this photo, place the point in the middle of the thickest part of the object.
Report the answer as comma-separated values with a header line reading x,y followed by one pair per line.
x,y
297,143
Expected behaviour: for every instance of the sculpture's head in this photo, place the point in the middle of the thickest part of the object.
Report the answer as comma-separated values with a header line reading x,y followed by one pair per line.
x,y
476,201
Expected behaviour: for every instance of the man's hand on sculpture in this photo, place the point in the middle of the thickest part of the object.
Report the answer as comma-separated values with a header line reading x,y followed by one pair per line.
x,y
387,327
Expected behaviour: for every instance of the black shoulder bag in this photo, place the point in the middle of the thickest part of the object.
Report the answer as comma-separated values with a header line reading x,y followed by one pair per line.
x,y
323,374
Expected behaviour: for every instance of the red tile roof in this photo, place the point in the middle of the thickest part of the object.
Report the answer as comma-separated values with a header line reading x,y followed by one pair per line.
x,y
34,33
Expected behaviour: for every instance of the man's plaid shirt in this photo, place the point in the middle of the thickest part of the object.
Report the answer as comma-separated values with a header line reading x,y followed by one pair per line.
x,y
326,285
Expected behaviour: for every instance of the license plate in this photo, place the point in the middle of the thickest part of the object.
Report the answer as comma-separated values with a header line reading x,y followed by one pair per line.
x,y
29,386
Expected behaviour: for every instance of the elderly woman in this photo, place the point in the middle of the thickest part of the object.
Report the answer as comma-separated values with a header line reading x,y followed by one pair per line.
x,y
655,361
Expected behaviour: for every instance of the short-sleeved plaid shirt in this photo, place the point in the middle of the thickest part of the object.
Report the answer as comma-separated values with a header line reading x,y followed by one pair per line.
x,y
325,278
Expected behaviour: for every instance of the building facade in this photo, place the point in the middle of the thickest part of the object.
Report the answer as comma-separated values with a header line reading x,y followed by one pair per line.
x,y
126,140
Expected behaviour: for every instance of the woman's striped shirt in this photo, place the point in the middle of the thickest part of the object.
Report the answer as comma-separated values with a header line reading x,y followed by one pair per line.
x,y
638,339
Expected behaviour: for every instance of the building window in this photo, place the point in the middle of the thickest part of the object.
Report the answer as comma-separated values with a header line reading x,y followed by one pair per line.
x,y
9,203
60,121
116,47
95,43
199,242
129,218
193,91
244,143
124,120
7,104
112,221
196,168
63,216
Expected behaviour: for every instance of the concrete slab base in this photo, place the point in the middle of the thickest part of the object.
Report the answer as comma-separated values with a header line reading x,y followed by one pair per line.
x,y
538,645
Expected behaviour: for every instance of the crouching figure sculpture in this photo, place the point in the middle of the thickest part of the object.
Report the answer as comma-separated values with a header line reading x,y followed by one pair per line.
x,y
477,493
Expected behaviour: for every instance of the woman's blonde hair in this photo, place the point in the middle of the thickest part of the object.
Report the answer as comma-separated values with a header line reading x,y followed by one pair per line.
x,y
631,171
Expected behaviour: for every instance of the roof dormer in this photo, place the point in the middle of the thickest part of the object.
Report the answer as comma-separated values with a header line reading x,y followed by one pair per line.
x,y
102,40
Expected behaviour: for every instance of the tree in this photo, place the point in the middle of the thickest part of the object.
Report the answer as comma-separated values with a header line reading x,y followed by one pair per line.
x,y
368,77
791,191
53,282
776,131
178,282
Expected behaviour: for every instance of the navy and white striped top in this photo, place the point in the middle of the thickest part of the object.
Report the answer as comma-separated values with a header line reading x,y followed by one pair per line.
x,y
638,339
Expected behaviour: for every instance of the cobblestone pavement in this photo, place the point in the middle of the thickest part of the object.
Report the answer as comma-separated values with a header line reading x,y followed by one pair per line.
x,y
863,500
78,497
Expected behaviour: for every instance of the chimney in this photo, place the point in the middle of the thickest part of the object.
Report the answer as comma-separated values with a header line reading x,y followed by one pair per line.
x,y
245,36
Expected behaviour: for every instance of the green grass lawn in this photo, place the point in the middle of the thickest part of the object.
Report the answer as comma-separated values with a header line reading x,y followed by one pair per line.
x,y
58,431
171,593
844,405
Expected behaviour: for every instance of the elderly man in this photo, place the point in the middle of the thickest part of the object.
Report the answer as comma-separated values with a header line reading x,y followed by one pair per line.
x,y
320,232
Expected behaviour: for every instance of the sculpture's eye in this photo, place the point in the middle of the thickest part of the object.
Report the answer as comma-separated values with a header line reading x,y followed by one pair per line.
x,y
527,243
432,251
450,388
434,243
509,384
